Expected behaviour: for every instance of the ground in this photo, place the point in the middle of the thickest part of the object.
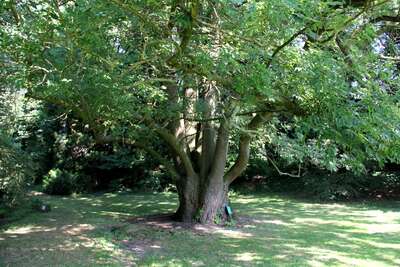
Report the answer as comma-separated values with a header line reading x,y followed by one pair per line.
x,y
108,230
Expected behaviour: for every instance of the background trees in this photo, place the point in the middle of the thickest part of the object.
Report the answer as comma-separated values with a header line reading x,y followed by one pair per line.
x,y
187,80
15,166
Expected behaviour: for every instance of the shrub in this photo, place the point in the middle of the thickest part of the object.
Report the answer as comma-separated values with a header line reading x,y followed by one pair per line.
x,y
153,182
345,186
326,186
59,182
14,172
382,184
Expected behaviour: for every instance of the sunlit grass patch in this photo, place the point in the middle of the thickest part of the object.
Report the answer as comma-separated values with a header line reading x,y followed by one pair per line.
x,y
92,230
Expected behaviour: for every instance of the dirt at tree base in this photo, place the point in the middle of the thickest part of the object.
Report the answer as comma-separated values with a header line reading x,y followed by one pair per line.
x,y
140,239
167,222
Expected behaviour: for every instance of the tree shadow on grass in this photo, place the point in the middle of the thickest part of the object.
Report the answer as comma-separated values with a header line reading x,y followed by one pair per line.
x,y
293,233
93,231
77,231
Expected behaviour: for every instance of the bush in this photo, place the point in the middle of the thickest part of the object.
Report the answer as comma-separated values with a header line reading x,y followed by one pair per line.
x,y
59,182
383,184
336,186
346,186
153,181
36,133
14,172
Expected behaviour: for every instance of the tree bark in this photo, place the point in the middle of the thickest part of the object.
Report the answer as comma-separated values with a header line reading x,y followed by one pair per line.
x,y
203,196
214,202
205,199
196,206
215,191
244,146
188,192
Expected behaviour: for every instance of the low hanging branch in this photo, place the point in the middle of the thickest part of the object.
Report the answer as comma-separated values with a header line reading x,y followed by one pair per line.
x,y
390,58
281,173
244,146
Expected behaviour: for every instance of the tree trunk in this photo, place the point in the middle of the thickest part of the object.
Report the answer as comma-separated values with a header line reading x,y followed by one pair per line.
x,y
189,199
214,203
204,203
205,199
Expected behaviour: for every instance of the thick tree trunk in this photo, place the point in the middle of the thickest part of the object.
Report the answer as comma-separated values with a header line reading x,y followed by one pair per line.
x,y
189,199
214,203
204,203
216,190
205,198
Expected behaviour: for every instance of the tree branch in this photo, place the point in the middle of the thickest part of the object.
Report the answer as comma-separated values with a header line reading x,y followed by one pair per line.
x,y
15,12
298,175
221,149
138,12
244,146
386,18
174,144
143,146
390,58
102,139
247,113
284,44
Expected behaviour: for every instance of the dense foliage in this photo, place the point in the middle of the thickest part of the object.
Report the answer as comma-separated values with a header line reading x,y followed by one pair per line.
x,y
15,164
191,83
14,174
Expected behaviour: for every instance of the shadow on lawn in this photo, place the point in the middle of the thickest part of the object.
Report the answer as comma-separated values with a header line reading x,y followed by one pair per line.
x,y
77,232
293,233
92,230
321,234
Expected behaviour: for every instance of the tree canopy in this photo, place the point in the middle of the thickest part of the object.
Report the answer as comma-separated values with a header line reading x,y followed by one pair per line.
x,y
317,78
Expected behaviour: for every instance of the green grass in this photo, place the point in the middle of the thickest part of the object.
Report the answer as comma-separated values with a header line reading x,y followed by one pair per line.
x,y
90,231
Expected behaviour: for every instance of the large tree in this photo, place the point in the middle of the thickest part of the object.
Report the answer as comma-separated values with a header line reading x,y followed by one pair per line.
x,y
192,72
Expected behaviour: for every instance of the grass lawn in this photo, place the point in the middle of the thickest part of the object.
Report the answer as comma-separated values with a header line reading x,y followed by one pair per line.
x,y
91,230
